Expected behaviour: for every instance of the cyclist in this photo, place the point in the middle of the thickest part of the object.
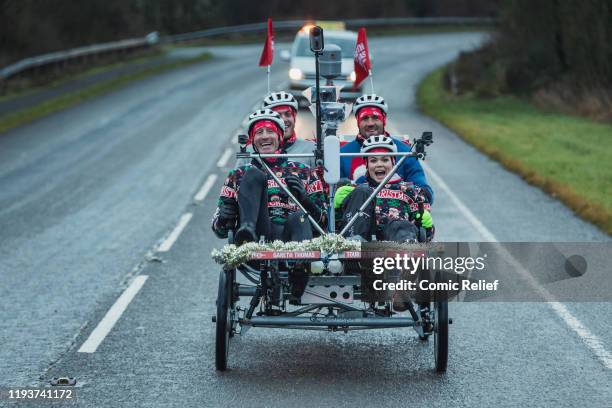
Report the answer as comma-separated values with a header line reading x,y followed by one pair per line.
x,y
398,206
253,202
286,106
371,114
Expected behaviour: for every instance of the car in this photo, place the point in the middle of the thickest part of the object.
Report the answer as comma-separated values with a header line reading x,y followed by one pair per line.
x,y
302,63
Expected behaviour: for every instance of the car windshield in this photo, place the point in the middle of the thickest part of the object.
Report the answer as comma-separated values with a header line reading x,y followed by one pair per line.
x,y
346,44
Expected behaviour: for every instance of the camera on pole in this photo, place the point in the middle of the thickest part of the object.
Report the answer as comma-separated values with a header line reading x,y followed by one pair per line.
x,y
329,112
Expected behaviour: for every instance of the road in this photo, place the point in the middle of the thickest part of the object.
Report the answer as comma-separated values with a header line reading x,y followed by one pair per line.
x,y
89,195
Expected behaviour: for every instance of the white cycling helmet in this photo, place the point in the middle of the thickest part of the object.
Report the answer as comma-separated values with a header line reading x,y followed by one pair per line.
x,y
265,114
379,142
370,100
281,98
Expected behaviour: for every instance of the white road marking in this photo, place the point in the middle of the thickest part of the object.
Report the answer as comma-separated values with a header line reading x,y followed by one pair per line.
x,y
112,316
168,242
210,181
593,342
225,157
469,215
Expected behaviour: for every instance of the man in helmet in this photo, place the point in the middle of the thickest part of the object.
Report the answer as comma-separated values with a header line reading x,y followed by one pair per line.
x,y
252,201
371,114
398,207
286,106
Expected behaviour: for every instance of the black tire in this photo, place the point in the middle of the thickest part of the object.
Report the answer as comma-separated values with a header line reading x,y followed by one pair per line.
x,y
441,335
224,320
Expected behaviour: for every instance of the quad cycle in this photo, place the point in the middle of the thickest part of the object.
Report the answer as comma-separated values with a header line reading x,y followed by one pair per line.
x,y
318,289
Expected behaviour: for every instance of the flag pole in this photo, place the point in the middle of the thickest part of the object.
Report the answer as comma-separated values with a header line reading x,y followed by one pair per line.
x,y
371,80
268,79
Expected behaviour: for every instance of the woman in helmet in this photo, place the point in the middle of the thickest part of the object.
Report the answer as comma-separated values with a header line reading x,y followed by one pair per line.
x,y
399,205
371,114
252,201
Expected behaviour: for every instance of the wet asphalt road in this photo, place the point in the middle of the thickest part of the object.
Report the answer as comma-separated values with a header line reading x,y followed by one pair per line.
x,y
87,194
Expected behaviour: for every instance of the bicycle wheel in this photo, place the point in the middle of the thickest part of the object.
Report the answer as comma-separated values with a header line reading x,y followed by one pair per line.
x,y
441,335
224,320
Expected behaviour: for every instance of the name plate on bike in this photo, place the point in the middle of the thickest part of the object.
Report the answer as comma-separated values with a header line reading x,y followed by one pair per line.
x,y
350,255
380,254
282,255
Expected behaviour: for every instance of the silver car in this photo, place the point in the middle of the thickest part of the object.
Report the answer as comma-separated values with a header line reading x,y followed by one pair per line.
x,y
302,64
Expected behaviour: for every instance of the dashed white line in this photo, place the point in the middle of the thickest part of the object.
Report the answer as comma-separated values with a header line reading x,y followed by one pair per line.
x,y
210,181
112,316
114,313
593,342
225,157
168,242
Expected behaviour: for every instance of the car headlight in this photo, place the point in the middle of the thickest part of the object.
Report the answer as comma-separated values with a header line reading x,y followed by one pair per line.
x,y
352,77
296,74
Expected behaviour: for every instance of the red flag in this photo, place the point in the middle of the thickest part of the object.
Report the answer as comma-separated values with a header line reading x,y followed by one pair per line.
x,y
362,58
268,52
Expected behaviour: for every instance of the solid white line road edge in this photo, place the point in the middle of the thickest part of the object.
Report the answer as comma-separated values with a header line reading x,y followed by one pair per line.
x,y
469,215
593,342
168,242
210,181
112,316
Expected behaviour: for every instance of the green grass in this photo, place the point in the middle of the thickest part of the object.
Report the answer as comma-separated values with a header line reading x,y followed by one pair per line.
x,y
568,157
65,101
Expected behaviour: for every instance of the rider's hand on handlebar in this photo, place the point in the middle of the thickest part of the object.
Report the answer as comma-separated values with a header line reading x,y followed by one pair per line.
x,y
426,220
341,195
296,186
228,212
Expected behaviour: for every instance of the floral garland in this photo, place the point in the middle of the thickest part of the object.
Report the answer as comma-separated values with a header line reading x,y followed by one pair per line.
x,y
231,255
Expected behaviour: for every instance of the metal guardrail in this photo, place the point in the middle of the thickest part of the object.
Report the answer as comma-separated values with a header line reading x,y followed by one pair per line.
x,y
244,28
53,57
153,38
351,23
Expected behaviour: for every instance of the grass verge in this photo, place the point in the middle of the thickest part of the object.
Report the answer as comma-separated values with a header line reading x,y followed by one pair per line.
x,y
65,101
568,157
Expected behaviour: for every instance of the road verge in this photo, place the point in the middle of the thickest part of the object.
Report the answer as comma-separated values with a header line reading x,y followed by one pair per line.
x,y
568,157
69,99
